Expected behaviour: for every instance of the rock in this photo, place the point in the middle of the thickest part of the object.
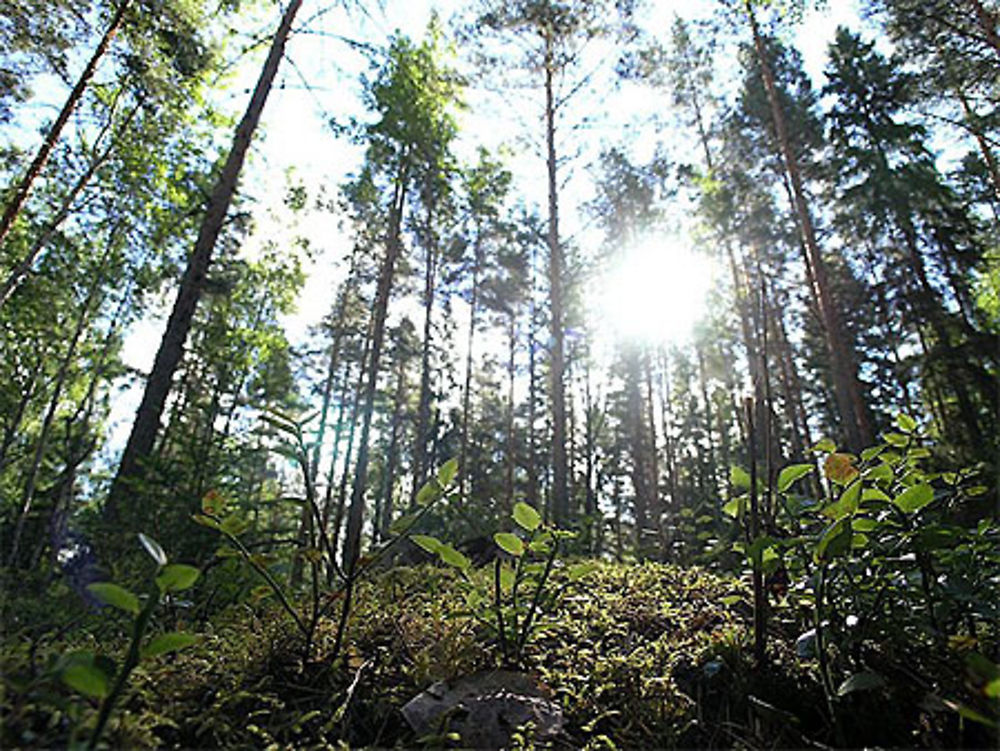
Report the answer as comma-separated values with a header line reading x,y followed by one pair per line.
x,y
485,709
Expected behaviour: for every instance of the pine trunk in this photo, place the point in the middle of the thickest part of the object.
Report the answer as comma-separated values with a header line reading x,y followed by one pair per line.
x,y
560,488
843,360
147,419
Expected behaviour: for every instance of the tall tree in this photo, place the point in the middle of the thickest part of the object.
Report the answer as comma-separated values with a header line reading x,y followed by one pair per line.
x,y
147,419
413,95
555,34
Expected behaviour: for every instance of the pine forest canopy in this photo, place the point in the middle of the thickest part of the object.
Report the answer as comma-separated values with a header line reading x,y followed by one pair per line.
x,y
297,256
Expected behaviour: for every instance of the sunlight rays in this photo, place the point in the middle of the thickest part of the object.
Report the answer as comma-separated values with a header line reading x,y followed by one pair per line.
x,y
654,293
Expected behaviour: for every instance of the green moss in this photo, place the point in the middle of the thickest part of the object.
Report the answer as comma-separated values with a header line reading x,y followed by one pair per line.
x,y
640,656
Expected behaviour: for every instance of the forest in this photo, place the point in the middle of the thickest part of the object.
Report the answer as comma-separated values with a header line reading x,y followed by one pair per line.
x,y
499,374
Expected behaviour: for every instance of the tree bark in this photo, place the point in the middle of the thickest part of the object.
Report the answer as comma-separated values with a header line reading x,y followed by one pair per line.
x,y
421,437
147,419
560,488
383,522
463,461
987,23
355,515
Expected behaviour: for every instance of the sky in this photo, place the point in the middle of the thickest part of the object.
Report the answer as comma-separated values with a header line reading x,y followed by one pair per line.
x,y
320,80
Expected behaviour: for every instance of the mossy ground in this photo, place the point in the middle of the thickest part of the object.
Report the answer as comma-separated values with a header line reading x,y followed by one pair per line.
x,y
639,655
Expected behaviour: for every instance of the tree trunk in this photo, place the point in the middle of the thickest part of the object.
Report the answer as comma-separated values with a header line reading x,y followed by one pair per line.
x,y
45,150
331,372
987,23
843,360
28,495
392,459
636,431
147,419
463,461
560,490
23,267
511,452
355,515
421,437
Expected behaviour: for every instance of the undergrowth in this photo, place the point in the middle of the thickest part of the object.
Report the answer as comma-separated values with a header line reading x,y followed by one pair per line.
x,y
640,656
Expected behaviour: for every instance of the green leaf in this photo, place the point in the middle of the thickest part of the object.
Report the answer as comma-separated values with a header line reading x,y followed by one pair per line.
x,y
739,478
112,594
206,522
757,547
510,543
846,504
452,557
736,507
430,492
234,525
526,517
825,446
169,642
864,681
402,524
879,473
914,498
871,452
88,675
154,549
447,472
835,540
864,524
430,544
177,577
896,439
874,494
906,423
791,473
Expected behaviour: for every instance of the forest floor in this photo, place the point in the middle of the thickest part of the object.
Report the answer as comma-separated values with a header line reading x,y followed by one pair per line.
x,y
634,655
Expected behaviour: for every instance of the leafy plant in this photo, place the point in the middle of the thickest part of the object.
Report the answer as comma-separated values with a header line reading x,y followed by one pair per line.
x,y
510,604
319,551
883,558
98,676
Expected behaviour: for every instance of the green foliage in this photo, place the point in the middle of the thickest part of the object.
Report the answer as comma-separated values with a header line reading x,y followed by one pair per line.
x,y
885,557
98,676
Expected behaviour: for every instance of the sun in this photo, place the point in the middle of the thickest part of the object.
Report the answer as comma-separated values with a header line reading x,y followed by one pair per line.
x,y
655,292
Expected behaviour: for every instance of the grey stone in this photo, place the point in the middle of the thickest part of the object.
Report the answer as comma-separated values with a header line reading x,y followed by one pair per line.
x,y
485,709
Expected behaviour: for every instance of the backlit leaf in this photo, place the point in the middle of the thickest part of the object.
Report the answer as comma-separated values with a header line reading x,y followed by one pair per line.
x,y
448,472
428,543
914,498
510,543
739,478
846,504
526,516
452,557
177,577
790,474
